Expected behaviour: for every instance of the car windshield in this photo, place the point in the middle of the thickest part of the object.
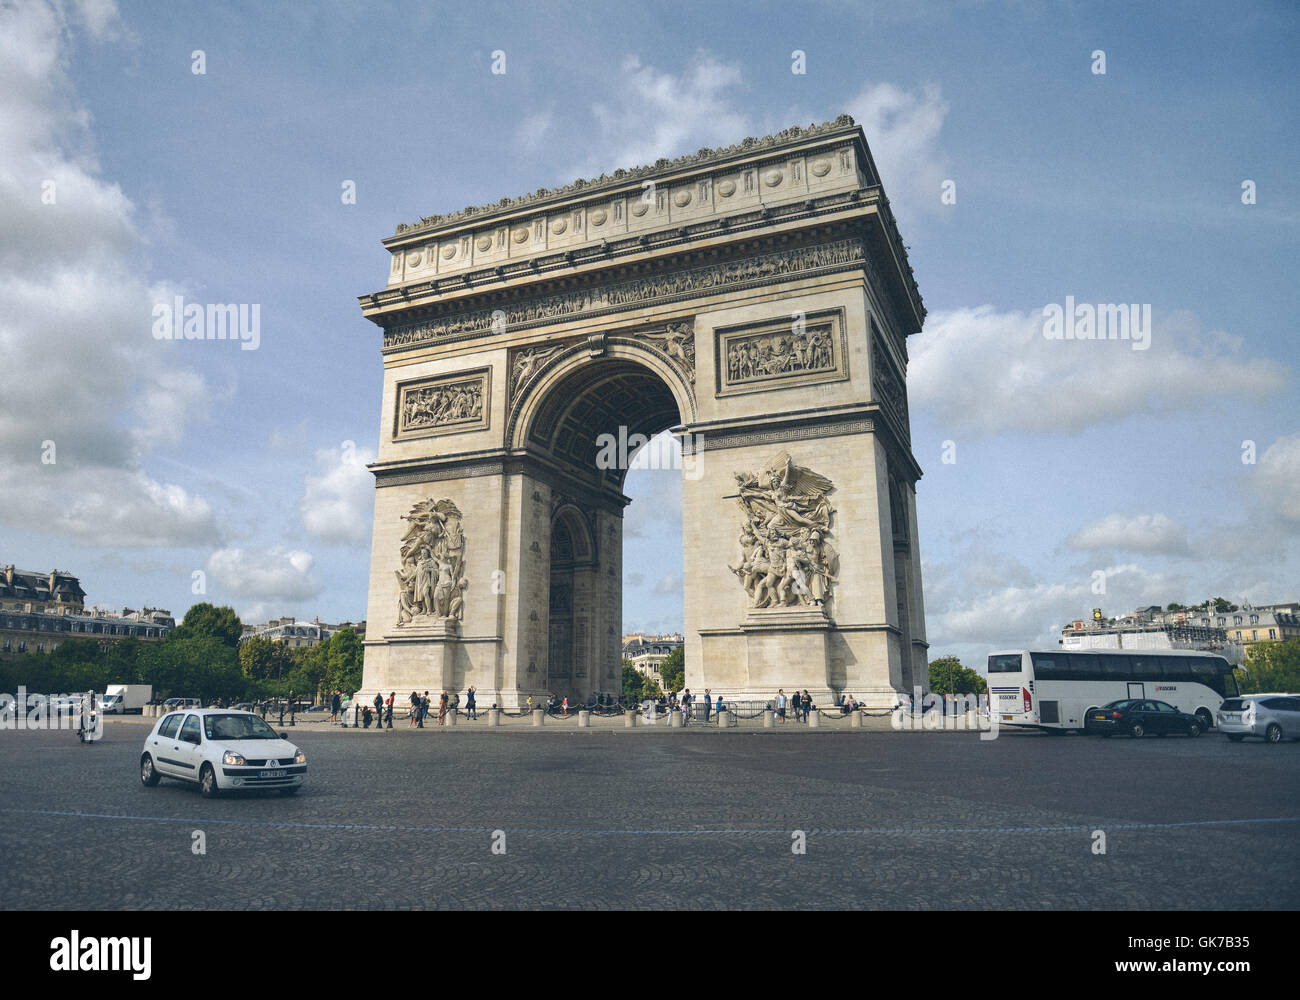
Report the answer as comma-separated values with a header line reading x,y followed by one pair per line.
x,y
237,727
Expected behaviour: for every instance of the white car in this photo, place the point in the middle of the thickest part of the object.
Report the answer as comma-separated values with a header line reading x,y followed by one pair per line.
x,y
221,750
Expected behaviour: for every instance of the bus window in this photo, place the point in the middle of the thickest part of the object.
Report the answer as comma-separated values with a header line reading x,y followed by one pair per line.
x,y
1008,663
1084,667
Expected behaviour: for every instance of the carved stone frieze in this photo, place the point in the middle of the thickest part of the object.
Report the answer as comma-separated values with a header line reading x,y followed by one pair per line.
x,y
786,558
431,582
442,405
797,350
633,292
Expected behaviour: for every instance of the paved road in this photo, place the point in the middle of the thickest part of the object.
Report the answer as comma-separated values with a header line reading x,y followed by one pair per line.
x,y
609,818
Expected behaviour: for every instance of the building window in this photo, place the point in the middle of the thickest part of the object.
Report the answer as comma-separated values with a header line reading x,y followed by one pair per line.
x,y
1254,619
1254,635
1272,633
1236,619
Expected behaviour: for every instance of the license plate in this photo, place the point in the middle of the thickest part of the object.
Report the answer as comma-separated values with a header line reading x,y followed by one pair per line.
x,y
1100,718
270,774
1007,718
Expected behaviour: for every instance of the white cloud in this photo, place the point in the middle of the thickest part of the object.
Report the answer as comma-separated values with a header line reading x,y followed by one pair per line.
x,y
533,130
1133,533
983,372
271,577
1277,477
902,129
80,366
671,583
650,113
337,505
1022,616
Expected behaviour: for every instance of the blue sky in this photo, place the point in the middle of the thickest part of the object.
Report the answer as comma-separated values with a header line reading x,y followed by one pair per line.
x,y
1072,458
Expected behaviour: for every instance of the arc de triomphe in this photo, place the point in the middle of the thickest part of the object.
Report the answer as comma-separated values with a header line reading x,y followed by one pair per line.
x,y
758,300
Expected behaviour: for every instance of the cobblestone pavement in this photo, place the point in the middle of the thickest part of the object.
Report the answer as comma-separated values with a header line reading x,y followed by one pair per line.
x,y
608,818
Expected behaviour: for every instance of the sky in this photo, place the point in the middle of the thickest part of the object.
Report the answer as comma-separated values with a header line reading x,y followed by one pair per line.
x,y
1059,475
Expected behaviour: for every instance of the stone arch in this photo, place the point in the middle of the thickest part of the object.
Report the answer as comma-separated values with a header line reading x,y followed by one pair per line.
x,y
584,367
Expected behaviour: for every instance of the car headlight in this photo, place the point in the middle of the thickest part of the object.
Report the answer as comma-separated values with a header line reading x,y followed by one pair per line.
x,y
233,759
300,758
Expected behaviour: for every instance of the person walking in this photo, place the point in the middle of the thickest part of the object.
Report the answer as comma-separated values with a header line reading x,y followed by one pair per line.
x,y
413,715
336,700
566,705
780,704
707,704
379,710
453,706
807,704
388,715
471,710
442,709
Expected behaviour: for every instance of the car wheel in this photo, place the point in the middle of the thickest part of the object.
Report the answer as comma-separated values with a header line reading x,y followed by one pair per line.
x,y
1207,720
1193,729
1273,734
291,790
149,776
208,782
1138,730
1235,738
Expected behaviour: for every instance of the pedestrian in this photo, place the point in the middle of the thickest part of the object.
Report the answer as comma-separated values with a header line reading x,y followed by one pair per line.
x,y
566,705
335,701
718,707
686,706
807,704
379,709
454,706
424,708
388,715
442,709
708,704
471,709
413,715
550,703
780,704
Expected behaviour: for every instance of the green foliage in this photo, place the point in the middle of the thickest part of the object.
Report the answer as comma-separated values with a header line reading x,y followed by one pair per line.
x,y
633,683
343,662
673,669
1271,666
205,619
259,657
948,676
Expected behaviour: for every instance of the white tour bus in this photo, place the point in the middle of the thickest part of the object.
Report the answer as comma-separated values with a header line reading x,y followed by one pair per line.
x,y
1056,690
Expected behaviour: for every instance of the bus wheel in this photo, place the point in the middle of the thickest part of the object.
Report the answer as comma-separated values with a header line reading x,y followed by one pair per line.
x,y
1207,720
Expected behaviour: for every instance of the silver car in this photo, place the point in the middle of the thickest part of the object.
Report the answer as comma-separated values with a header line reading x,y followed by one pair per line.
x,y
1272,717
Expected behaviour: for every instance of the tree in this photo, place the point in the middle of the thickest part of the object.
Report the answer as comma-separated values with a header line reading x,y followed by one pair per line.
x,y
633,683
257,657
1175,606
1271,666
948,676
343,657
206,619
673,669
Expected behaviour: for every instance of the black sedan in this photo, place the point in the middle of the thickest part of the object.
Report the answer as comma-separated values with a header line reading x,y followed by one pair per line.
x,y
1139,716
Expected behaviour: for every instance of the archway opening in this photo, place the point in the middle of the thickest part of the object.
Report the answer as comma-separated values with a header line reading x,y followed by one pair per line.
x,y
604,422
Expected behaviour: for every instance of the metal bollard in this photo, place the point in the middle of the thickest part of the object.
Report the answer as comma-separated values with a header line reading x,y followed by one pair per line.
x,y
539,717
584,719
769,720
855,720
494,717
814,719
452,713
724,719
629,720
674,719
972,719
